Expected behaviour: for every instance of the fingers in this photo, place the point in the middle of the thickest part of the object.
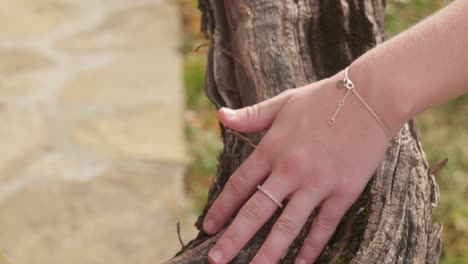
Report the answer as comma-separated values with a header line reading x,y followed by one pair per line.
x,y
323,227
248,221
253,118
238,189
288,226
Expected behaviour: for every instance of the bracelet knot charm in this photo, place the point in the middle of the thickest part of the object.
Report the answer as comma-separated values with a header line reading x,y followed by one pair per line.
x,y
345,83
349,85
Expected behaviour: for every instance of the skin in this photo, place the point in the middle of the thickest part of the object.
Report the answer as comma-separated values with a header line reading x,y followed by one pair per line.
x,y
314,165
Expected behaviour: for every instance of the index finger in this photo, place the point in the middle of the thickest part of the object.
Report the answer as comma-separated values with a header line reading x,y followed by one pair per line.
x,y
238,189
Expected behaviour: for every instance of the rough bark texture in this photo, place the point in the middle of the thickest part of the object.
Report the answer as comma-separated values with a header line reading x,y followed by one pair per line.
x,y
284,44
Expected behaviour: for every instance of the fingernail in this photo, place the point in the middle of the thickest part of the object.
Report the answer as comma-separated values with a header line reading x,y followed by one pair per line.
x,y
231,114
208,225
300,261
216,255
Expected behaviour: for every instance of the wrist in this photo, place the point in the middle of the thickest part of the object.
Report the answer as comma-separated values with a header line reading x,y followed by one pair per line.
x,y
381,92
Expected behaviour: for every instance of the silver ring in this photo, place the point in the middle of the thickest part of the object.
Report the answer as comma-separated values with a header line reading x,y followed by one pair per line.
x,y
280,205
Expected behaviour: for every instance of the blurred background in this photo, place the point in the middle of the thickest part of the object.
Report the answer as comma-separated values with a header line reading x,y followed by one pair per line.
x,y
108,139
93,151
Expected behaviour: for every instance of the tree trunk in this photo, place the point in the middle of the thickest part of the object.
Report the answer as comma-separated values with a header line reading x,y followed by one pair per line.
x,y
261,47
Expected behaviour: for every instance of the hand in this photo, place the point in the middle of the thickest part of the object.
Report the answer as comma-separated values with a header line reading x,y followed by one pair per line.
x,y
301,158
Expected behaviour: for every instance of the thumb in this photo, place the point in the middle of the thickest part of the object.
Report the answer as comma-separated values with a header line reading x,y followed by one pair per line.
x,y
256,117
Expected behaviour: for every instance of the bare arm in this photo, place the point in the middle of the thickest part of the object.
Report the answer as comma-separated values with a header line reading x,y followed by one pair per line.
x,y
419,68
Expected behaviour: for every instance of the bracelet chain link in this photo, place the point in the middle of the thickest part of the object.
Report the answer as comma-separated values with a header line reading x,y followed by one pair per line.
x,y
349,85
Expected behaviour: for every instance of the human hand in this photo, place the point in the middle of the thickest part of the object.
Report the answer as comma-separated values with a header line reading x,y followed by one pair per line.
x,y
301,158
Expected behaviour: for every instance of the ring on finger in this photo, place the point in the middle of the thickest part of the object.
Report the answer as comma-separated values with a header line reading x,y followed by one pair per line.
x,y
269,195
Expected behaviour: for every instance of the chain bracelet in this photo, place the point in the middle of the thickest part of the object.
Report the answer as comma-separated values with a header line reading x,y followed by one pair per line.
x,y
348,84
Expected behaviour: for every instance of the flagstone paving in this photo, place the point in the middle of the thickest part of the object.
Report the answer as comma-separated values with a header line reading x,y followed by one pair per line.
x,y
91,133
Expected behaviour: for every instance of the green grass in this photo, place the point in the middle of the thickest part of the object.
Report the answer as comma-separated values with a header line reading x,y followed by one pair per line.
x,y
444,131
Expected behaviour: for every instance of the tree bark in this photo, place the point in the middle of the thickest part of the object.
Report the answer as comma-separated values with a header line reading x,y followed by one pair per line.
x,y
260,48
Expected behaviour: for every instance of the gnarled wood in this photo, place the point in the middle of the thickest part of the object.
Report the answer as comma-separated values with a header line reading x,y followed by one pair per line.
x,y
288,43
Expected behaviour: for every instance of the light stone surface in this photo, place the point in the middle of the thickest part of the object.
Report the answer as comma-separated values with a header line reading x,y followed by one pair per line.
x,y
26,18
16,61
122,137
91,134
113,31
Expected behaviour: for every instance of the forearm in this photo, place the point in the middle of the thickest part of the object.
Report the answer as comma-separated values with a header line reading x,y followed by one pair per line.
x,y
418,69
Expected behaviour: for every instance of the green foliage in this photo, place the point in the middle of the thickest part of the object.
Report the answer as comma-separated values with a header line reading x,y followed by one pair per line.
x,y
402,14
194,81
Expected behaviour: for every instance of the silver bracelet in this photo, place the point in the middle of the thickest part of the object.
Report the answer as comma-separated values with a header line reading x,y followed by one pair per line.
x,y
348,84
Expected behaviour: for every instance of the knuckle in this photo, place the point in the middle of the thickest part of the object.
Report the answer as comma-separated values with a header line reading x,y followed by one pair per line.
x,y
251,112
236,185
228,239
269,143
319,179
217,213
323,170
273,139
328,225
347,193
344,192
291,164
264,256
255,111
252,210
261,159
312,248
265,151
286,225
